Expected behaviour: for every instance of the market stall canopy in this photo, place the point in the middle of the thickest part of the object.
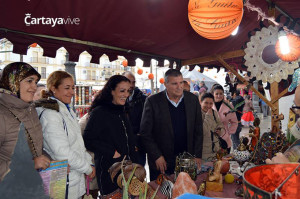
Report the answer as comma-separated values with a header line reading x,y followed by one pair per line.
x,y
143,29
197,77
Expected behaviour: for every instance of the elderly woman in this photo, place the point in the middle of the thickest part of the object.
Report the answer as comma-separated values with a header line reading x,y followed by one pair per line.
x,y
227,116
62,135
108,132
21,137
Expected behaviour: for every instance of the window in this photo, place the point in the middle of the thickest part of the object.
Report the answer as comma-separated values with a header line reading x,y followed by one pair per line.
x,y
43,73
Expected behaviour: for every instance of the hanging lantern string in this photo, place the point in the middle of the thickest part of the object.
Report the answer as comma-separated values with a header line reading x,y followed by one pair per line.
x,y
288,31
263,16
260,13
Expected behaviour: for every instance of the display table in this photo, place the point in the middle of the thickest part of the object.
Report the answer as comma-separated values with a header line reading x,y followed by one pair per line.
x,y
228,190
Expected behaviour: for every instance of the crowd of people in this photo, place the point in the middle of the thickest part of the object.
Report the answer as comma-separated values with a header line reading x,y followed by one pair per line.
x,y
122,123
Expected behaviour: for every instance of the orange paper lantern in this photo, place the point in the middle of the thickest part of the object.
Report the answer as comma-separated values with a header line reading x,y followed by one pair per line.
x,y
125,63
215,19
294,44
140,71
162,80
151,76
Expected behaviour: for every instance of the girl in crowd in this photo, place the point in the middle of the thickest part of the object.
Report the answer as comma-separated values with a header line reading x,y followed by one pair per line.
x,y
248,118
212,127
21,137
108,132
227,116
62,135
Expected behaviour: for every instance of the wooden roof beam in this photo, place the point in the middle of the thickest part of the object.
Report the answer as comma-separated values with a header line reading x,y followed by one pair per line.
x,y
207,59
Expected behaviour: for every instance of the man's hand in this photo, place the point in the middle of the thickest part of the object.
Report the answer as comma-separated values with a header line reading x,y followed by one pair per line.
x,y
41,162
161,164
198,161
92,175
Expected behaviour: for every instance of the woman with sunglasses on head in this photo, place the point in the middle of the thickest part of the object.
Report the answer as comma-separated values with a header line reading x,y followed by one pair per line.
x,y
21,137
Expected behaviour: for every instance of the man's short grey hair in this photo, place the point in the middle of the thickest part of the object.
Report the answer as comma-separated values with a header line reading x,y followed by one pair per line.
x,y
172,73
128,73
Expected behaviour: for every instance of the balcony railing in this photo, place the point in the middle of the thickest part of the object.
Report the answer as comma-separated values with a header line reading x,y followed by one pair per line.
x,y
43,60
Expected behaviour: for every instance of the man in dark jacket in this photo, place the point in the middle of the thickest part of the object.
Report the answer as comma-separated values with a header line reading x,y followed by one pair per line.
x,y
239,101
171,124
136,103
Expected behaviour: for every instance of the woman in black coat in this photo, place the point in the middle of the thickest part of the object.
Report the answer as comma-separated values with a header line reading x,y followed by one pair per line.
x,y
108,133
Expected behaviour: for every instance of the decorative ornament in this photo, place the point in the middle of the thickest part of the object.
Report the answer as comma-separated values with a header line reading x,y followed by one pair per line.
x,y
185,162
140,71
225,167
125,63
162,80
151,76
241,154
215,76
206,70
215,19
262,60
229,178
294,45
269,144
33,45
167,188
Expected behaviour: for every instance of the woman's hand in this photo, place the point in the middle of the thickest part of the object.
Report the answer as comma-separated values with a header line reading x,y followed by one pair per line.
x,y
209,111
92,175
41,162
117,155
278,158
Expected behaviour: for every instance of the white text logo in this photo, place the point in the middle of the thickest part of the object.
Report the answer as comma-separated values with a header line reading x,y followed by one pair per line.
x,y
50,21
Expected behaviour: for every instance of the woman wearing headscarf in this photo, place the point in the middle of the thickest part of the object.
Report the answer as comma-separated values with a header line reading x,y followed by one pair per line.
x,y
62,135
108,133
21,137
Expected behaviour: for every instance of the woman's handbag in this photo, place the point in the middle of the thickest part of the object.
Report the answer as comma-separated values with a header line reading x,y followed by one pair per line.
x,y
223,144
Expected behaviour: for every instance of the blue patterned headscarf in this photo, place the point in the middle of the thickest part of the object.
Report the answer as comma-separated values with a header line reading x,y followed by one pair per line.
x,y
13,74
296,80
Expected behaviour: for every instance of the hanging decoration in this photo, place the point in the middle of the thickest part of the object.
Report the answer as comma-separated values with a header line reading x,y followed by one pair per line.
x,y
161,80
125,63
294,44
140,71
215,19
151,76
261,58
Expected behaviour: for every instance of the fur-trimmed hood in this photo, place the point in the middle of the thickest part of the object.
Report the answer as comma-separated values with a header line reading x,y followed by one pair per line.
x,y
47,103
